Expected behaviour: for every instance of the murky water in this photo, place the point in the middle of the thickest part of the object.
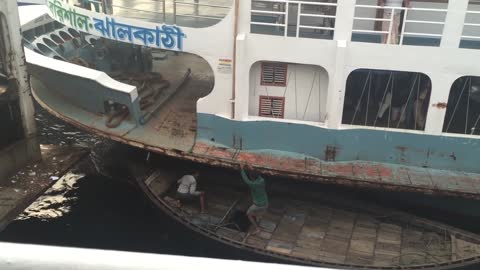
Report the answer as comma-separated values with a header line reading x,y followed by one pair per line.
x,y
98,212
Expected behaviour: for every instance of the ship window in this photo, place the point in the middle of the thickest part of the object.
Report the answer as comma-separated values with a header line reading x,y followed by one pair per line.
x,y
383,98
271,106
274,74
463,107
73,32
49,43
57,39
65,35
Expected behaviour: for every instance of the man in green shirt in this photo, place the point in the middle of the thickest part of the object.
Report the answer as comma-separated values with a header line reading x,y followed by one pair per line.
x,y
259,196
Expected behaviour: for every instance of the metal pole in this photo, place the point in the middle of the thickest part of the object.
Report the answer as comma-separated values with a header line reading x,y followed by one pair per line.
x,y
389,36
234,71
196,7
403,26
164,11
174,12
299,10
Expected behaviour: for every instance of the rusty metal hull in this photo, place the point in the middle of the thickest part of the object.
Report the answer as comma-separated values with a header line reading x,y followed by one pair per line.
x,y
301,167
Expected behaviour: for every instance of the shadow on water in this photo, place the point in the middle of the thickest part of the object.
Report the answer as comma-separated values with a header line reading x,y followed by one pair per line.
x,y
113,215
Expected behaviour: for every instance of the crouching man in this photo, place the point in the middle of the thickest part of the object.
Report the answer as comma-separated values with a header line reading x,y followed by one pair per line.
x,y
187,190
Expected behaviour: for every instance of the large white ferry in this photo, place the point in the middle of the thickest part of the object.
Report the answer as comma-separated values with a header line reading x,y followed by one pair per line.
x,y
341,91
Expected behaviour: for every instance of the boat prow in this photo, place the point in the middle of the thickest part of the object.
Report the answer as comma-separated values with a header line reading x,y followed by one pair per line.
x,y
309,227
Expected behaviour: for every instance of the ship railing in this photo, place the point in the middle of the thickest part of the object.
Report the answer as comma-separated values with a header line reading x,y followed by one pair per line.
x,y
196,11
471,30
283,23
432,29
162,11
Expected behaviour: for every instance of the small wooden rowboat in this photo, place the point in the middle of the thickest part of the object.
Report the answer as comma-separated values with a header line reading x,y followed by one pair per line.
x,y
309,227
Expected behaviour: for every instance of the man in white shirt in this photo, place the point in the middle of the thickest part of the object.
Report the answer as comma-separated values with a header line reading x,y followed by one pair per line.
x,y
187,190
392,6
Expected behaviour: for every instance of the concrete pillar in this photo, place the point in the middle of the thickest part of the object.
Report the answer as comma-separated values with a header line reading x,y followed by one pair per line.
x,y
452,32
14,47
25,149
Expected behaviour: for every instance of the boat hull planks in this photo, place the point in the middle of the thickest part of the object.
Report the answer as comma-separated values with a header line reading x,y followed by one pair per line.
x,y
313,228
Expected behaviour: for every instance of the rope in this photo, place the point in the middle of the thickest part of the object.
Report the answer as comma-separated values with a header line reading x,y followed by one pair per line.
x,y
310,94
357,107
296,106
456,106
408,99
383,98
475,126
468,105
368,100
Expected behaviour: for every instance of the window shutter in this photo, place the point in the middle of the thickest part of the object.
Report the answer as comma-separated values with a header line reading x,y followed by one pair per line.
x,y
274,74
271,106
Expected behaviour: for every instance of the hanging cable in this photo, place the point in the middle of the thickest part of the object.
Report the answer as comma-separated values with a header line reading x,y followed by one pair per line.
x,y
361,97
456,105
475,125
468,105
408,100
383,98
296,107
368,99
309,95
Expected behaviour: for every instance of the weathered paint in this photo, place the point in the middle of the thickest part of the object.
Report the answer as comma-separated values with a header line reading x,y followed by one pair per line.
x,y
437,152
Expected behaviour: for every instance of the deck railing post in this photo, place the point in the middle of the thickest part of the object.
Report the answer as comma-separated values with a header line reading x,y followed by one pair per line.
x,y
453,29
174,12
299,17
404,23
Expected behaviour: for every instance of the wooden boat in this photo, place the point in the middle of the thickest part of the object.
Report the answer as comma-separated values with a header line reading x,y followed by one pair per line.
x,y
307,226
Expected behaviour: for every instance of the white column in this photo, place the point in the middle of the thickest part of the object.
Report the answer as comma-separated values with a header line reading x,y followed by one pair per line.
x,y
344,20
452,32
441,84
242,85
336,90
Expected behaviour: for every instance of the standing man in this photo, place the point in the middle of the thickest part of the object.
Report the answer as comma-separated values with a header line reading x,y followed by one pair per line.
x,y
259,196
187,190
392,6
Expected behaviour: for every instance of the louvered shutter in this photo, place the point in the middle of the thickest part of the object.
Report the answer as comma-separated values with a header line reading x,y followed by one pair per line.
x,y
274,74
271,106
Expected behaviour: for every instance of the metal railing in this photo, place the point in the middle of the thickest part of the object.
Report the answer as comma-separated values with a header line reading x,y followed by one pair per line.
x,y
196,10
407,23
466,25
161,11
283,19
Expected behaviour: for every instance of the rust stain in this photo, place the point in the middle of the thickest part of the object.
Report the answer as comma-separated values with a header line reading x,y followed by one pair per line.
x,y
295,169
440,105
330,153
